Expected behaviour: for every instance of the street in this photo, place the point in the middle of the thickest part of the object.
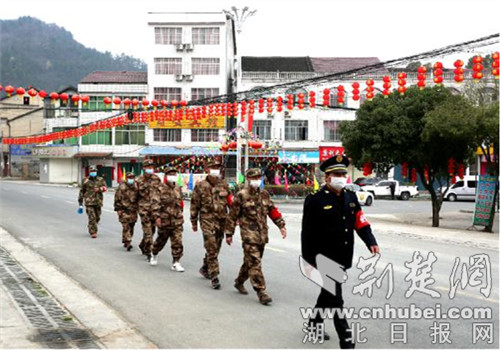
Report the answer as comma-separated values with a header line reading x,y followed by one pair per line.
x,y
180,310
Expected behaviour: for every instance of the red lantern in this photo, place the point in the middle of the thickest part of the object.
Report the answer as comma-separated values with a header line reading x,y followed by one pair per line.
x,y
53,96
107,101
402,90
117,102
75,98
312,99
495,64
367,169
261,105
355,91
42,94
64,97
9,89
145,103
183,103
404,170
421,76
154,103
233,145
290,101
340,94
326,97
32,92
279,104
402,83
461,171
387,86
477,68
413,175
20,91
269,105
451,166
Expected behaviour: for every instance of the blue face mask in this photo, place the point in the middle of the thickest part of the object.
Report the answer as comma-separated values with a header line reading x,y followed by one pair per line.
x,y
149,171
93,173
130,181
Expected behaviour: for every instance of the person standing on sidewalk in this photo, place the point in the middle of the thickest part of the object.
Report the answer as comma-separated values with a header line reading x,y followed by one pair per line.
x,y
126,206
148,185
251,207
91,194
167,211
209,203
329,219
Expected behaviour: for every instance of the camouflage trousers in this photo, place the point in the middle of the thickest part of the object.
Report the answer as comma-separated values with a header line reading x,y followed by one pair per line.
x,y
148,231
212,241
94,214
252,266
128,220
175,235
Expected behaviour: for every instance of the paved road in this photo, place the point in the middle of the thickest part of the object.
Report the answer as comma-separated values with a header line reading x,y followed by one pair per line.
x,y
181,310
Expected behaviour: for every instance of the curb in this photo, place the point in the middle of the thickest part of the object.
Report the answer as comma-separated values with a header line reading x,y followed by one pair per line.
x,y
96,316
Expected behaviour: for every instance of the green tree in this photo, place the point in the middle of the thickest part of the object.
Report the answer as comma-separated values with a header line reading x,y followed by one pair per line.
x,y
424,128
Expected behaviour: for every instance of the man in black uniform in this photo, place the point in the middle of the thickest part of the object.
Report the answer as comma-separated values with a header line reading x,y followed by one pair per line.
x,y
330,217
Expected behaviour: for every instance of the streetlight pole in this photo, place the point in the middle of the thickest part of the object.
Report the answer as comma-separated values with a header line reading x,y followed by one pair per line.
x,y
239,16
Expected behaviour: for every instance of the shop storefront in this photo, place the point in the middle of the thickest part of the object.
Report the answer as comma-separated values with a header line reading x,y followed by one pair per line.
x,y
57,163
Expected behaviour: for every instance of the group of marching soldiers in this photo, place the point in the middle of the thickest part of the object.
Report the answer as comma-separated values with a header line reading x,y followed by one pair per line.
x,y
160,206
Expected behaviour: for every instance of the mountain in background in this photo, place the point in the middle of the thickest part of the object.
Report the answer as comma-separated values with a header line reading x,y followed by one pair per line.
x,y
47,56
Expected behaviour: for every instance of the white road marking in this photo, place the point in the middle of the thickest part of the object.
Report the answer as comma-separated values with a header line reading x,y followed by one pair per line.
x,y
276,250
70,202
470,295
44,196
24,192
108,211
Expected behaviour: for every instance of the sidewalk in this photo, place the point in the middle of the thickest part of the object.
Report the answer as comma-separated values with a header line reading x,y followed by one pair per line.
x,y
43,308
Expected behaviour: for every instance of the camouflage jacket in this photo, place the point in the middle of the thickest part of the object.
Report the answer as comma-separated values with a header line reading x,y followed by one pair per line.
x,y
169,205
90,191
251,207
126,197
149,188
210,202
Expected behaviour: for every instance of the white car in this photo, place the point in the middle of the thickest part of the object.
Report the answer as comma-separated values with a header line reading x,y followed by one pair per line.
x,y
364,197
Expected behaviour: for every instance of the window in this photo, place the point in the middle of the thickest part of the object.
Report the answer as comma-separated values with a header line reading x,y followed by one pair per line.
x,y
262,129
168,36
296,130
70,141
206,66
204,135
97,138
130,135
205,36
458,184
167,135
471,184
201,93
331,128
168,65
334,102
168,94
295,92
96,103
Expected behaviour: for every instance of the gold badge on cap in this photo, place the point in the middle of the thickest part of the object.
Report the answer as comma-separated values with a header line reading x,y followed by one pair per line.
x,y
339,158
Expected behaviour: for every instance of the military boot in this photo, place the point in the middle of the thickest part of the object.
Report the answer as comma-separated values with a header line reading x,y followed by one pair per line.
x,y
93,235
215,283
240,287
264,298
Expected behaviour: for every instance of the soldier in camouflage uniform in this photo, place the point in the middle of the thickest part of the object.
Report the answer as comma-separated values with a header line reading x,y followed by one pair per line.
x,y
209,203
251,207
126,206
167,211
91,194
148,185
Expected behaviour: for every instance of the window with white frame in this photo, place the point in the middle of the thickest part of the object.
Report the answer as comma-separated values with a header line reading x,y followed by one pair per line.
x,y
334,102
262,129
201,93
204,135
167,93
205,36
296,130
168,36
132,134
331,130
206,66
167,135
168,65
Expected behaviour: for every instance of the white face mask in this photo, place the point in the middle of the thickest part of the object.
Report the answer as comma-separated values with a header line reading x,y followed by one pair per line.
x,y
172,178
338,183
255,183
214,172
149,171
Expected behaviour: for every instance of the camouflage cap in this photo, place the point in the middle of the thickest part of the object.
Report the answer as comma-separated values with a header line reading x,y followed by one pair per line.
x,y
214,163
253,172
92,168
130,174
169,169
147,162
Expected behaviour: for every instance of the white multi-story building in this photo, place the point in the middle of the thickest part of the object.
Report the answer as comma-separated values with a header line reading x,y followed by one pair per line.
x,y
191,56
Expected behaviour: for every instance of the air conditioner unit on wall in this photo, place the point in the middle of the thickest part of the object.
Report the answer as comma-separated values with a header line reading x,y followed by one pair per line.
x,y
179,77
179,47
188,77
188,47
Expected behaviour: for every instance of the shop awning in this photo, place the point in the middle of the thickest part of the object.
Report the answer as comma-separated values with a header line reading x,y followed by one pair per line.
x,y
181,151
93,154
298,157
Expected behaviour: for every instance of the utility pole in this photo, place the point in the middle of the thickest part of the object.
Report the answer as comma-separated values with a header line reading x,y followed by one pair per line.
x,y
239,16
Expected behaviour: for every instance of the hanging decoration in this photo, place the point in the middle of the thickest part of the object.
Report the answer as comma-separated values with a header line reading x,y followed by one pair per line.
x,y
9,89
340,95
387,86
402,83
413,175
495,64
421,76
370,89
404,170
451,170
326,97
458,71
438,73
355,91
312,99
367,169
477,68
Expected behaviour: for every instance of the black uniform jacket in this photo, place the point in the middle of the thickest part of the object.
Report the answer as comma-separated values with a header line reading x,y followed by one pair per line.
x,y
328,226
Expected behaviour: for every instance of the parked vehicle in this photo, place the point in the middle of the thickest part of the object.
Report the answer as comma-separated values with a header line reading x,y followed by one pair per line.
x,y
383,189
462,189
364,197
364,181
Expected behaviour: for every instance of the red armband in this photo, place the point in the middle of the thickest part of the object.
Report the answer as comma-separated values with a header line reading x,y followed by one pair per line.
x,y
360,221
230,200
182,203
274,214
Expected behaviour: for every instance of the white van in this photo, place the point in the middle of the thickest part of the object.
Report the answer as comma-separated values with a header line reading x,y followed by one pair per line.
x,y
462,189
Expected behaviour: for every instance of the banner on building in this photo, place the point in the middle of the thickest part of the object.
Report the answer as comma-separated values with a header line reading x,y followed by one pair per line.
x,y
485,200
215,122
298,157
55,151
20,150
326,152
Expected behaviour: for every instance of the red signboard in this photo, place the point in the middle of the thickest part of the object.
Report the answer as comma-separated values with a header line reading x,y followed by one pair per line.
x,y
328,152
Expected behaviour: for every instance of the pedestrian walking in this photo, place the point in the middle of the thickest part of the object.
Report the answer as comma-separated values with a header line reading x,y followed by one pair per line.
x,y
126,205
91,195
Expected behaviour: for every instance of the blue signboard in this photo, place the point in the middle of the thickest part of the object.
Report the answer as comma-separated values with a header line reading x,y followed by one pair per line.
x,y
298,157
20,150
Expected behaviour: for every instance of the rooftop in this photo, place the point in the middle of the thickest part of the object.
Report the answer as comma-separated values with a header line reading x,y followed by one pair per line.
x,y
116,77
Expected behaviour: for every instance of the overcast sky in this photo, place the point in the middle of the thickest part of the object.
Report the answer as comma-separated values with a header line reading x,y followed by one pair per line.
x,y
383,28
